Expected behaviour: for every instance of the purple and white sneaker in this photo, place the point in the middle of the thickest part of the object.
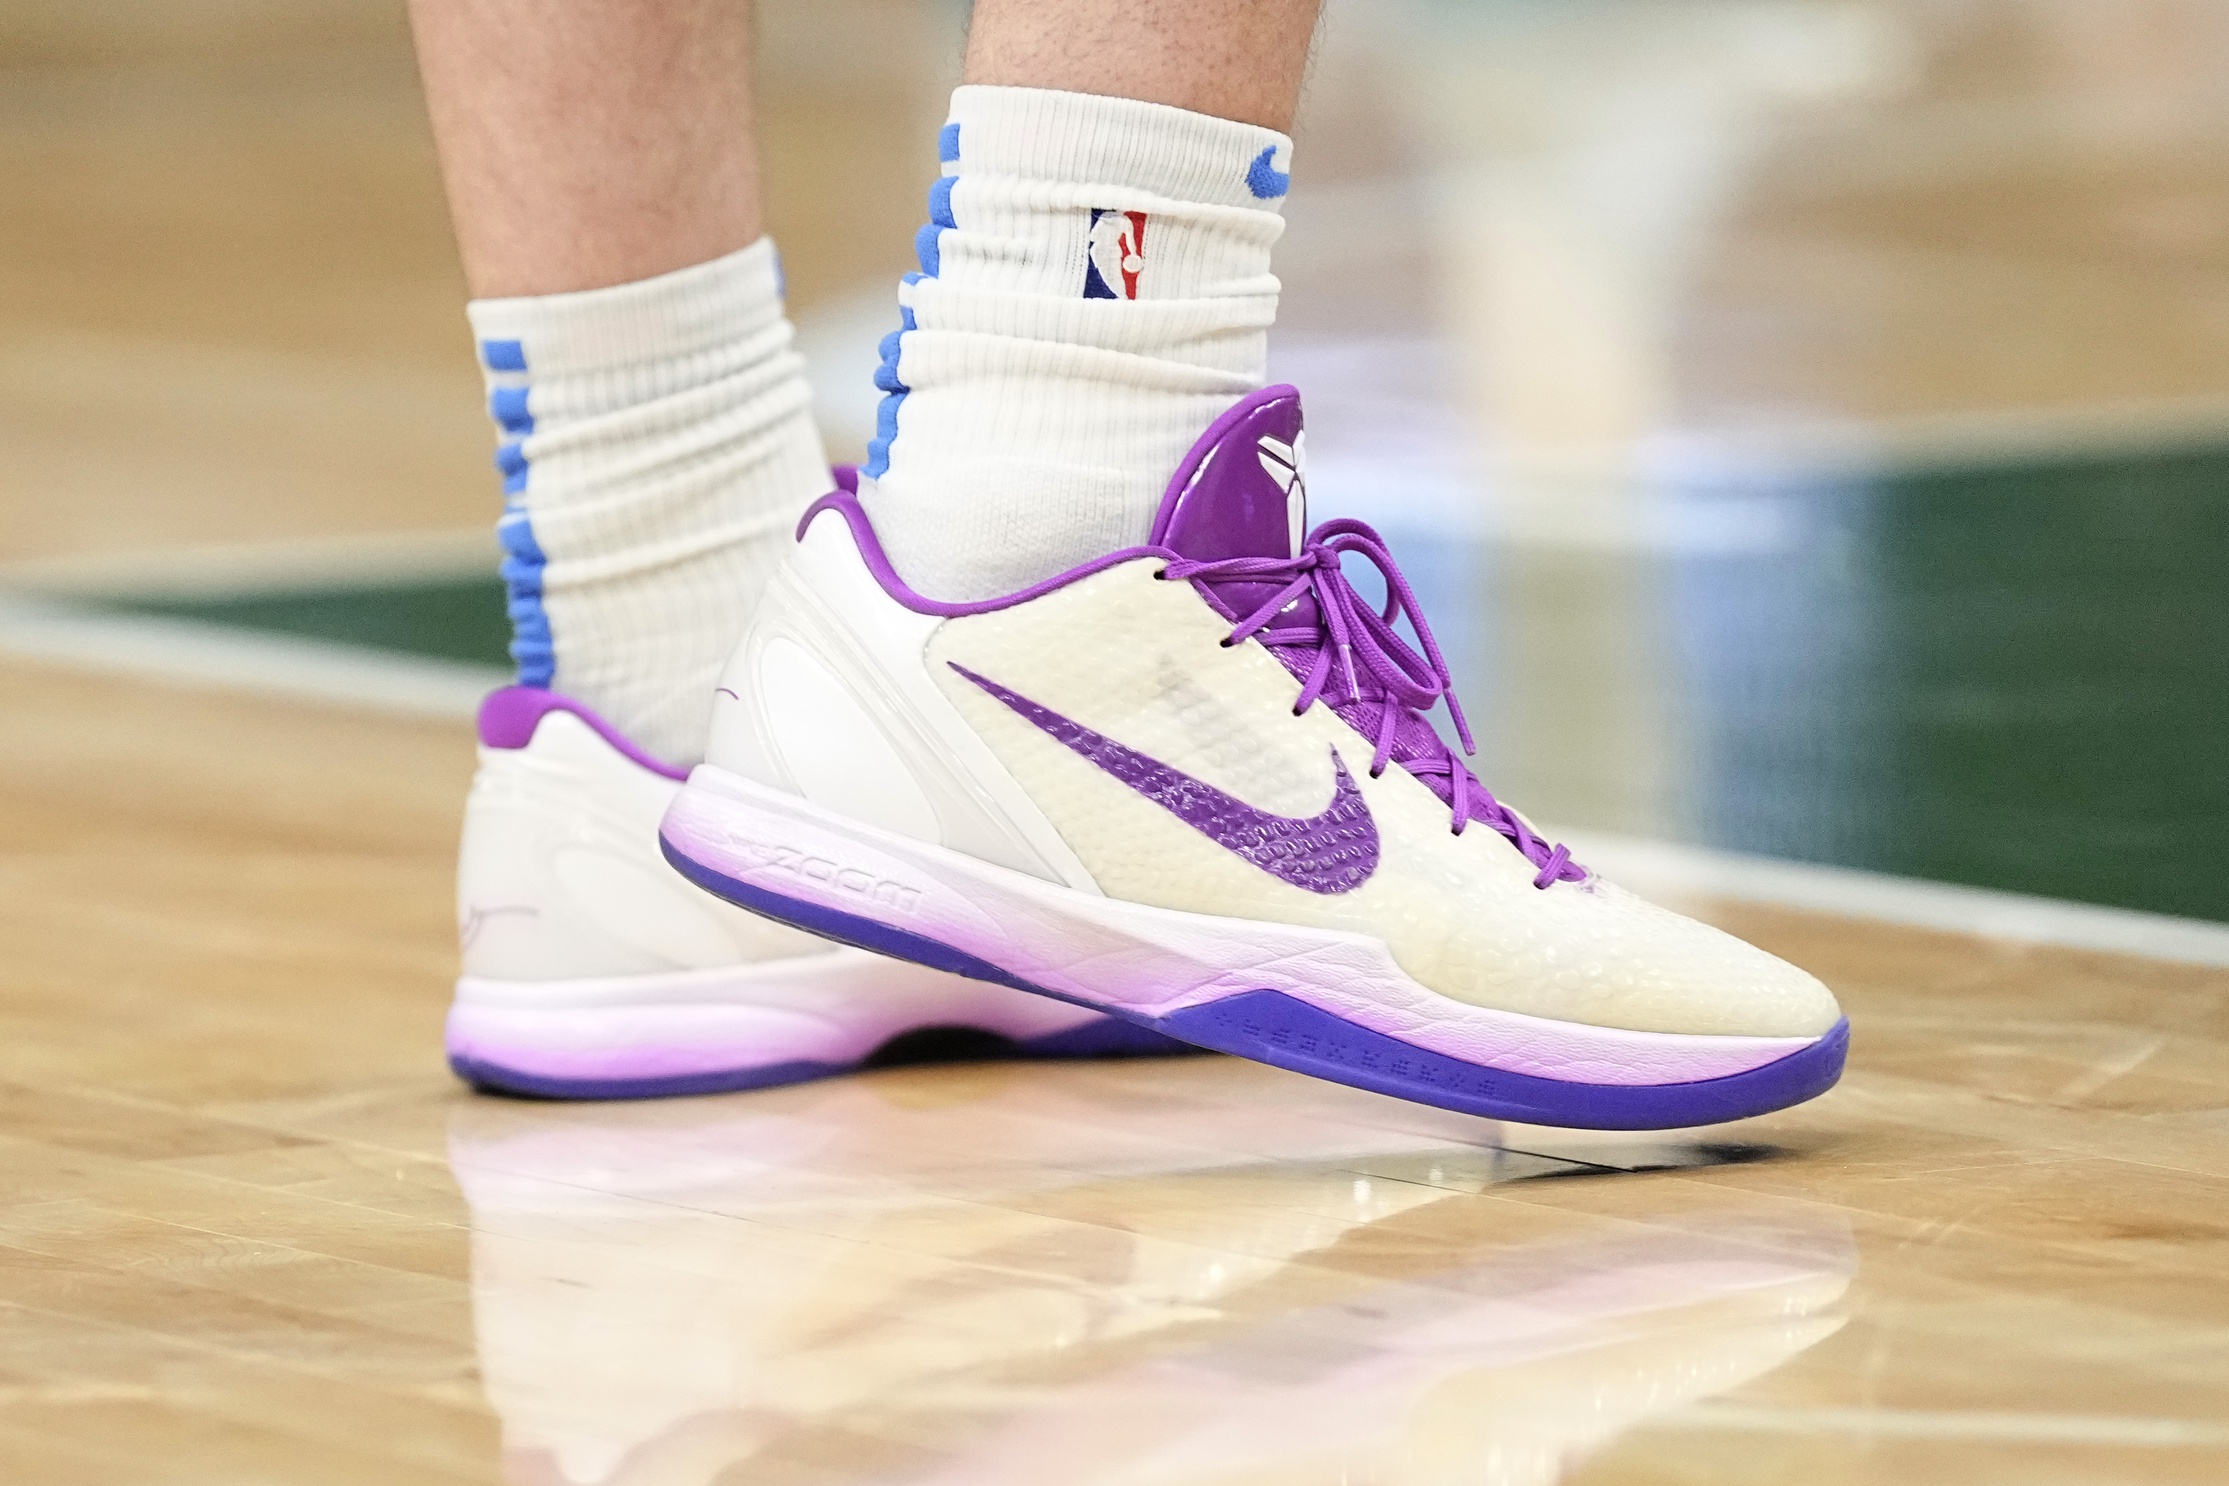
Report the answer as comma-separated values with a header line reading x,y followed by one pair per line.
x,y
592,972
1192,784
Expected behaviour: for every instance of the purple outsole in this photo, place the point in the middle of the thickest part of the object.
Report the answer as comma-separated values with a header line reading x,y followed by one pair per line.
x,y
1285,1032
1106,1038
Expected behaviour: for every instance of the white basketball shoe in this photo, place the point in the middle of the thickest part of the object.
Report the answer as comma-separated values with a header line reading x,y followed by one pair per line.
x,y
591,971
1192,784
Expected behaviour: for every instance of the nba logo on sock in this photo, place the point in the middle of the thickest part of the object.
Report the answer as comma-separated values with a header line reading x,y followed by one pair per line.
x,y
1117,254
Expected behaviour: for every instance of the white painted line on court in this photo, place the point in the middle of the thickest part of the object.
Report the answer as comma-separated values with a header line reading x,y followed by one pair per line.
x,y
242,569
189,651
1955,1424
1664,869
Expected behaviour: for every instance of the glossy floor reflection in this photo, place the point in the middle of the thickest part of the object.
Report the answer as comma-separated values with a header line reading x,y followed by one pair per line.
x,y
252,1233
994,1276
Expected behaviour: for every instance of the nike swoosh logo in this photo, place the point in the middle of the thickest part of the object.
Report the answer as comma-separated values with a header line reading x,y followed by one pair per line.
x,y
1333,851
1265,180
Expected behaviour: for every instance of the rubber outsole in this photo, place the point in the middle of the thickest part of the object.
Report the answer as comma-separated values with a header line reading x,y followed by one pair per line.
x,y
1271,1027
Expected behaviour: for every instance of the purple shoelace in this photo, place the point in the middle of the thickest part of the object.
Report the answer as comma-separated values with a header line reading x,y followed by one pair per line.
x,y
1339,628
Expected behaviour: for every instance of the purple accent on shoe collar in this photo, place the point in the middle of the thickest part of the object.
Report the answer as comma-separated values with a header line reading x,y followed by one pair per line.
x,y
1285,1032
509,717
1223,501
847,478
846,504
1332,851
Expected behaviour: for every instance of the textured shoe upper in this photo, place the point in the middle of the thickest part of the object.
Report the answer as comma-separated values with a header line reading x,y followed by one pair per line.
x,y
1216,723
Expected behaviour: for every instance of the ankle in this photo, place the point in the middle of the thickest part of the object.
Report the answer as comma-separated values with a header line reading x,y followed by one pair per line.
x,y
656,443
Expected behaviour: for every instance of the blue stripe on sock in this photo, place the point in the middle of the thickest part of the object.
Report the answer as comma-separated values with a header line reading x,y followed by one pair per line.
x,y
523,559
507,406
886,375
925,246
523,562
886,429
511,460
894,391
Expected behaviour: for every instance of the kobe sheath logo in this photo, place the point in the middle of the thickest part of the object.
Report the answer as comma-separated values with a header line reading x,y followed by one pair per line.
x,y
1285,463
1116,254
1333,851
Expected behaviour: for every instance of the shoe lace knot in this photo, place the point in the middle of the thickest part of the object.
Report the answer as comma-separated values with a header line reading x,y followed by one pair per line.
x,y
1314,613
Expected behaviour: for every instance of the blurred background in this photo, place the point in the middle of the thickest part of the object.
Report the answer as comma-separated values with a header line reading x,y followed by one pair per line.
x,y
1808,420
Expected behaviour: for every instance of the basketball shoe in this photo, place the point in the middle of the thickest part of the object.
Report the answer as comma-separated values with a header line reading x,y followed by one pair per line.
x,y
1111,788
592,972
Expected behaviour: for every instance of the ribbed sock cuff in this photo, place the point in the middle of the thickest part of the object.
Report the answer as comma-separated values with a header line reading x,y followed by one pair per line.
x,y
1092,143
697,308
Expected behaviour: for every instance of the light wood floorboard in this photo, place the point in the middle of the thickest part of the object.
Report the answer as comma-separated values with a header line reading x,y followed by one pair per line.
x,y
252,1231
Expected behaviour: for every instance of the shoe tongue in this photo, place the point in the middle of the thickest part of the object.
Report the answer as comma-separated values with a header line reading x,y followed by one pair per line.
x,y
1240,492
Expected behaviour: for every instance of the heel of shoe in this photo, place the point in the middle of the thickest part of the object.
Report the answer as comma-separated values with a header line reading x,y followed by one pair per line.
x,y
745,1027
637,1052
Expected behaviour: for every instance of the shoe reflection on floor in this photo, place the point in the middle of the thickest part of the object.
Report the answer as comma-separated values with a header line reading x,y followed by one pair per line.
x,y
981,1276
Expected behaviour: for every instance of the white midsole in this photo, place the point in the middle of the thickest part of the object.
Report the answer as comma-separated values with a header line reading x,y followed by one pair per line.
x,y
834,1007
1107,952
839,984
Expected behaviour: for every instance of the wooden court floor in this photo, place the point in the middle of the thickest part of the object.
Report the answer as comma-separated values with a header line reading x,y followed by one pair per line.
x,y
252,1232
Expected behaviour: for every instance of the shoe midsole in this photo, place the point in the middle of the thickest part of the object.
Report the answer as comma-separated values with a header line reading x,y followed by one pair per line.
x,y
835,1007
1145,961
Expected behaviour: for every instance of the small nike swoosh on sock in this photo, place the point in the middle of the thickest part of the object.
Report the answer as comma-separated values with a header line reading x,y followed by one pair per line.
x,y
1333,851
1265,180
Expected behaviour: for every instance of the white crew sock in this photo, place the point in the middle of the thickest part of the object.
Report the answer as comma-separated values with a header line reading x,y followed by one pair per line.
x,y
1053,363
657,448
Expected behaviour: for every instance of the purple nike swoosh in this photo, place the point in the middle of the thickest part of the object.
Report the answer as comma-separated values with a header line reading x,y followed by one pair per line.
x,y
1333,851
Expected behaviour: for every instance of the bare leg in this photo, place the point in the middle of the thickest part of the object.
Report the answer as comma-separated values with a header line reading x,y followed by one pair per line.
x,y
1236,59
590,144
